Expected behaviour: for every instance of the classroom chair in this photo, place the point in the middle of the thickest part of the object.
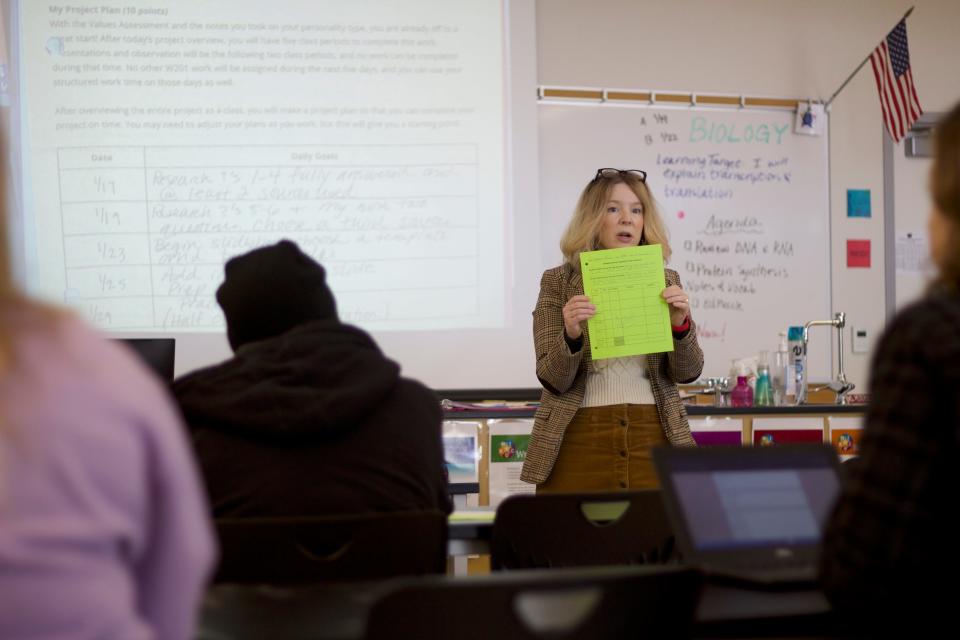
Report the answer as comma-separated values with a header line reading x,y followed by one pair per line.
x,y
586,604
581,529
289,551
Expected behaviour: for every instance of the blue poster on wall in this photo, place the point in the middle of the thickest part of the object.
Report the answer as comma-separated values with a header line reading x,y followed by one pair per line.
x,y
858,203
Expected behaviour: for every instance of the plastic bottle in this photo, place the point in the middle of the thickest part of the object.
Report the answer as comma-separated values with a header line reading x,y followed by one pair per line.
x,y
736,369
763,396
780,372
798,358
742,394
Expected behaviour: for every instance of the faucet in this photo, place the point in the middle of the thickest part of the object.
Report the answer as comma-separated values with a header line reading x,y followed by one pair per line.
x,y
717,386
840,386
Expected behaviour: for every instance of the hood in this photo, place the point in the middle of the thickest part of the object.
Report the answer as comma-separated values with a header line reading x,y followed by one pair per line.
x,y
314,381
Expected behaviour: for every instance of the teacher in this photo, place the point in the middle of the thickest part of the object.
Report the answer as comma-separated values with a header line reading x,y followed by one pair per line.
x,y
598,420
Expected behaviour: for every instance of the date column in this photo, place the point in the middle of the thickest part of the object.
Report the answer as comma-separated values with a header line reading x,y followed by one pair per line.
x,y
106,236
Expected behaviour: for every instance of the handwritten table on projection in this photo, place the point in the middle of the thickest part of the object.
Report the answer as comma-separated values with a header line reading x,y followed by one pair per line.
x,y
146,230
626,285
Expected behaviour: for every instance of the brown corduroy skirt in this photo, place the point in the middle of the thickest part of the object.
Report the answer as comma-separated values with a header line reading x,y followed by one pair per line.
x,y
607,449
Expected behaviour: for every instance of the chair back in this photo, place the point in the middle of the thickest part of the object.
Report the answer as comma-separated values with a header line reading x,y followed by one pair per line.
x,y
331,549
581,529
586,604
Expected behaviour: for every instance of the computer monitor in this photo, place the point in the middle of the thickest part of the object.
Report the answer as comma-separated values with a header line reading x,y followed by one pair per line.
x,y
157,353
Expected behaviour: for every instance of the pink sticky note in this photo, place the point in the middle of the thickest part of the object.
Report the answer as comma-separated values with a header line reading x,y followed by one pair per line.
x,y
858,253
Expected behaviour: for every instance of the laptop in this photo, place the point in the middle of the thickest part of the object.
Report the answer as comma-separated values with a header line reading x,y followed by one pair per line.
x,y
750,514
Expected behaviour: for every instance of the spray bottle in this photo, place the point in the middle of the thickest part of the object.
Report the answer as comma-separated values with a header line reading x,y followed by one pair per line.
x,y
780,372
798,356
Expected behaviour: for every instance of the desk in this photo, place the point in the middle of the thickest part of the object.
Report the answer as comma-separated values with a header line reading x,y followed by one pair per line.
x,y
328,612
468,534
724,610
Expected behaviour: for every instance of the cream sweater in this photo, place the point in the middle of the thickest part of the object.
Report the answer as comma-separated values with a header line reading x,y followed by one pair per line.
x,y
618,381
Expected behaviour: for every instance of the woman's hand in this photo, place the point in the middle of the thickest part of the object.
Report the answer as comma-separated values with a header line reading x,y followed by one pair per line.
x,y
577,309
679,304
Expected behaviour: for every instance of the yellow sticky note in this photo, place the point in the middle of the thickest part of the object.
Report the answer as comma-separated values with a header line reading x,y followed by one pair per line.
x,y
625,285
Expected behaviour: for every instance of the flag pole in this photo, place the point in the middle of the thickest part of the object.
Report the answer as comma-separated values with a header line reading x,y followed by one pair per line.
x,y
860,66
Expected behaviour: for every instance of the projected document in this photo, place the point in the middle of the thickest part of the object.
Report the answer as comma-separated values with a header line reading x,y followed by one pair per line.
x,y
162,139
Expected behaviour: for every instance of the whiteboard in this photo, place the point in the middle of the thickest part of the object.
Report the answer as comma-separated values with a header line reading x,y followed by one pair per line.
x,y
745,200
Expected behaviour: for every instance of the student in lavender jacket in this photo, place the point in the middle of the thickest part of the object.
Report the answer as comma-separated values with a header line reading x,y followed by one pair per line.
x,y
308,417
104,530
890,555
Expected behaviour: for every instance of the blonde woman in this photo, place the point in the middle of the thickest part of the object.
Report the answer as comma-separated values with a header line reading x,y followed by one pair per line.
x,y
599,419
103,529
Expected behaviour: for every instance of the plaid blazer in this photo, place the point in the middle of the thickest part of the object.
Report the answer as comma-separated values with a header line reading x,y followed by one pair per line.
x,y
563,375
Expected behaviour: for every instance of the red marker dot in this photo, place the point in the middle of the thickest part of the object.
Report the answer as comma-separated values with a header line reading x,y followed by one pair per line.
x,y
681,215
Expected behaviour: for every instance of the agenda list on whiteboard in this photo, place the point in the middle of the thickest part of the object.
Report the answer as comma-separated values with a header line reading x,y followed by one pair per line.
x,y
625,285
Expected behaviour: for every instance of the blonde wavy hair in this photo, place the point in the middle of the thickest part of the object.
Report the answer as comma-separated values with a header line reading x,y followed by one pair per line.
x,y
582,234
12,302
9,295
12,298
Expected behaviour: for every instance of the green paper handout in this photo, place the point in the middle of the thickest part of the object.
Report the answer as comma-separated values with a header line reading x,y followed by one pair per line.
x,y
625,285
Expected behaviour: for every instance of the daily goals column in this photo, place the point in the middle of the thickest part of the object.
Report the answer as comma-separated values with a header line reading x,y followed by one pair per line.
x,y
395,226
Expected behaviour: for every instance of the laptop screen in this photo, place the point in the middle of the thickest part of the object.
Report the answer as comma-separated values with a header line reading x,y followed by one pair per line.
x,y
754,497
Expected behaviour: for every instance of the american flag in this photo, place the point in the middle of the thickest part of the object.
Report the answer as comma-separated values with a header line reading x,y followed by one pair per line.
x,y
891,69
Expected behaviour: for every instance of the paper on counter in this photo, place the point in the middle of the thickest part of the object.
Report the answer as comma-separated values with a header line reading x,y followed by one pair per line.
x,y
508,444
461,450
845,433
774,431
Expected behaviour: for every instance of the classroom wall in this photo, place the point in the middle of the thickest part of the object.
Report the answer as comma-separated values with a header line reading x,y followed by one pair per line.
x,y
776,48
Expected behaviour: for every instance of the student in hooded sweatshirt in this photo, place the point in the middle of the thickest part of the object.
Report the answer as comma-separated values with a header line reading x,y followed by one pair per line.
x,y
308,417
